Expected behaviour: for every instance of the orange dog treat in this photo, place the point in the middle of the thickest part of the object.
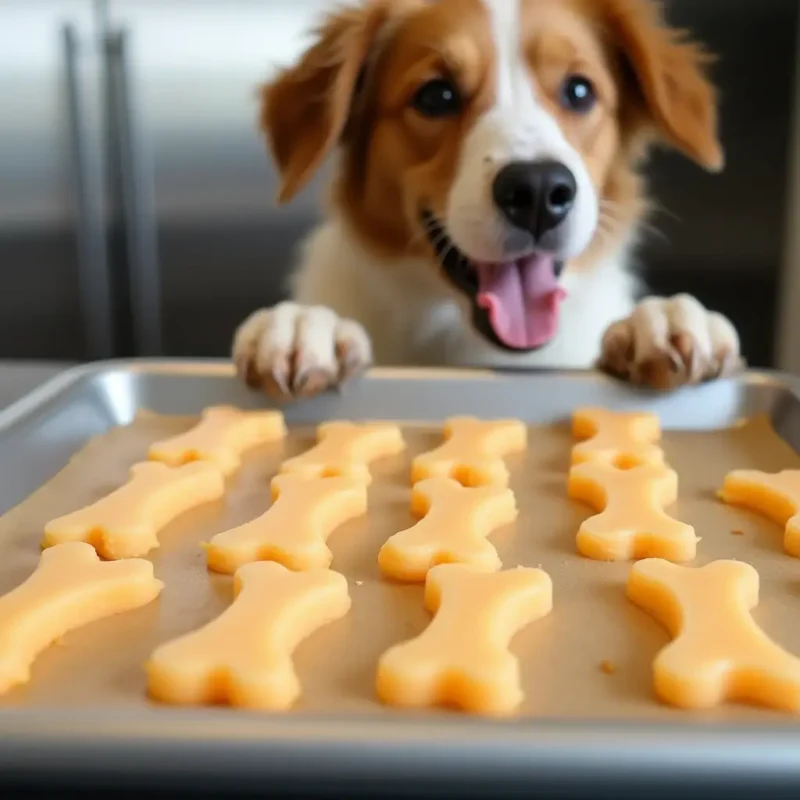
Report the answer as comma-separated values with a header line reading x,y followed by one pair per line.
x,y
719,653
294,530
462,658
223,434
346,449
453,529
244,656
632,523
71,587
125,523
776,496
472,452
625,440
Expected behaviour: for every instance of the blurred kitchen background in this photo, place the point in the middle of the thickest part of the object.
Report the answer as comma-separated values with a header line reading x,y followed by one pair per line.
x,y
136,197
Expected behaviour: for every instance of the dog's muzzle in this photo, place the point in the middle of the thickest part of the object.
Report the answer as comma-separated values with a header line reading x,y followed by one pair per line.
x,y
514,304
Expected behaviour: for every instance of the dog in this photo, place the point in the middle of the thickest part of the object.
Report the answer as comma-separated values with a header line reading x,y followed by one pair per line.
x,y
488,194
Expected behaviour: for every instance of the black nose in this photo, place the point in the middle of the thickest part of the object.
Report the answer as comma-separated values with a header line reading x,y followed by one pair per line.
x,y
535,196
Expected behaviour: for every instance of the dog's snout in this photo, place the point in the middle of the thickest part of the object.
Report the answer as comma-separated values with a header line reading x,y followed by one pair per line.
x,y
535,196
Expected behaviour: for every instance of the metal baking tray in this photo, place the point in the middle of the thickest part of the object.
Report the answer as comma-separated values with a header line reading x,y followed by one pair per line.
x,y
377,755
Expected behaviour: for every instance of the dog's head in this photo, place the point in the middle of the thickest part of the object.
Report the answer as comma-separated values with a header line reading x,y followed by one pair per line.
x,y
499,137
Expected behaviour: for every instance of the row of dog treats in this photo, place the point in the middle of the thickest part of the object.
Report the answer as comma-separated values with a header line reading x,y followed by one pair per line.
x,y
287,605
718,652
619,469
279,560
462,659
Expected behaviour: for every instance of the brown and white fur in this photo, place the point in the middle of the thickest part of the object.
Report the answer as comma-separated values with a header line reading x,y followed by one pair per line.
x,y
370,287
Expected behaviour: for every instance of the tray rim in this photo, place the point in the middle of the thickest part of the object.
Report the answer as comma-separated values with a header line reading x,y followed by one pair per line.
x,y
158,743
32,739
211,367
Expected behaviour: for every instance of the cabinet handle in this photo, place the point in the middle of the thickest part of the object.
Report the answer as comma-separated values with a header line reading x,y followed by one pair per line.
x,y
88,167
138,202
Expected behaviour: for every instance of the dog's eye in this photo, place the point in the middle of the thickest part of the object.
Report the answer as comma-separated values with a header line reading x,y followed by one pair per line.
x,y
577,94
437,98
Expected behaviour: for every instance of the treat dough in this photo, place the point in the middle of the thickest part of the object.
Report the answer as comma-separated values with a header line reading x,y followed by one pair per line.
x,y
453,529
632,523
346,449
71,587
462,658
472,452
244,656
223,434
623,439
294,531
719,653
125,523
776,496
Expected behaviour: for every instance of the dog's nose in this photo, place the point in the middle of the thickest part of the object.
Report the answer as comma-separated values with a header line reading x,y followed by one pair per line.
x,y
535,196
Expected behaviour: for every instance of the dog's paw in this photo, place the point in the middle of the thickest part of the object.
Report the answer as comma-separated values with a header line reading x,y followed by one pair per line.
x,y
669,342
293,351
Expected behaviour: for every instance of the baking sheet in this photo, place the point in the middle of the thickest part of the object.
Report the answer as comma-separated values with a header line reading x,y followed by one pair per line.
x,y
561,656
84,716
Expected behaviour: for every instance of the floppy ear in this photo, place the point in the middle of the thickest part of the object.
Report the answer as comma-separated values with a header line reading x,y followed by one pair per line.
x,y
305,109
670,72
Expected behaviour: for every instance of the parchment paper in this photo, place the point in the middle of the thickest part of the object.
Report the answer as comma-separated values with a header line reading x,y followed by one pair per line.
x,y
561,656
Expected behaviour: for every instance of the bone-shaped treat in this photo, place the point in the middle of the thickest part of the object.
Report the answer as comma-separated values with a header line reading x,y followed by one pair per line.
x,y
125,523
622,439
244,656
719,653
346,449
632,523
295,529
462,658
453,529
223,434
71,587
776,496
472,452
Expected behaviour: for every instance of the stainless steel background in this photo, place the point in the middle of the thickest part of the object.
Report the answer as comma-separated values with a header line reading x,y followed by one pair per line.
x,y
41,309
177,187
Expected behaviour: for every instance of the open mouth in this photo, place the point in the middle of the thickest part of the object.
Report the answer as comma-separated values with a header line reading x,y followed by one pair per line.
x,y
515,304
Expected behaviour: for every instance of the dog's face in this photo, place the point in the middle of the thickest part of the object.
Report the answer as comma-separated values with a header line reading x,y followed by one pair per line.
x,y
500,137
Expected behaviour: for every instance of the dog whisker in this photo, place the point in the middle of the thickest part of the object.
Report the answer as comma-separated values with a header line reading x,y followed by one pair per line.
x,y
658,208
610,209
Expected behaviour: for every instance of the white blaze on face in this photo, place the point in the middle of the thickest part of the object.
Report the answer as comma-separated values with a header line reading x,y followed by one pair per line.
x,y
518,288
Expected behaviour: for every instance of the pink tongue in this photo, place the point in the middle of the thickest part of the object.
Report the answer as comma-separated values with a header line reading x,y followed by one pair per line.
x,y
522,299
